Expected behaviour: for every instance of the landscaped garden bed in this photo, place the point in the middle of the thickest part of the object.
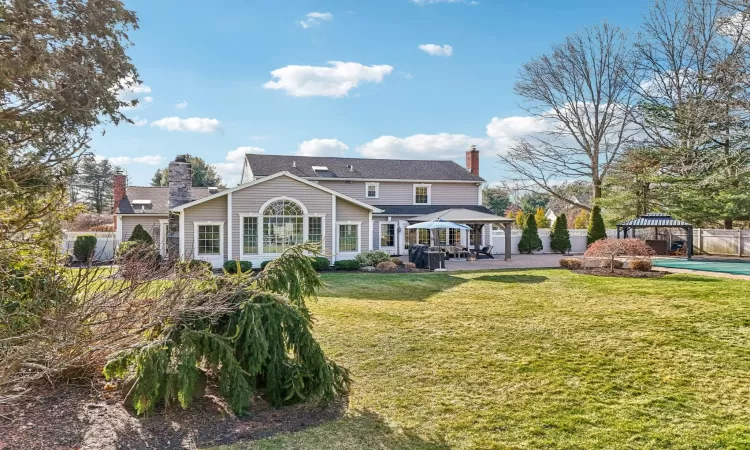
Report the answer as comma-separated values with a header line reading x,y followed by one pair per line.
x,y
89,415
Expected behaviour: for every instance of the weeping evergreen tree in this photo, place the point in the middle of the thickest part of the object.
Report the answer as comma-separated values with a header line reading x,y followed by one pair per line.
x,y
530,240
261,340
560,236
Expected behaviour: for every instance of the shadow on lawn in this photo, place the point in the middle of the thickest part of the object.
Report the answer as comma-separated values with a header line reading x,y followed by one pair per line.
x,y
398,287
692,278
523,279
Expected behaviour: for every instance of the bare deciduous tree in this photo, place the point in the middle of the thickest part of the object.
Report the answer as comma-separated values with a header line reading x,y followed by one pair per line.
x,y
580,93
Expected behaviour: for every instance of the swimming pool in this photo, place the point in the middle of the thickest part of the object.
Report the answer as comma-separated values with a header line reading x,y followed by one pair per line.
x,y
733,267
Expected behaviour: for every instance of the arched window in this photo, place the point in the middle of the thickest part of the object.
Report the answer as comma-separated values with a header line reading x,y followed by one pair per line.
x,y
283,225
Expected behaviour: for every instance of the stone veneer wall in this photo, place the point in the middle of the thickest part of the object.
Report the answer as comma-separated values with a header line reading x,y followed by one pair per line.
x,y
180,192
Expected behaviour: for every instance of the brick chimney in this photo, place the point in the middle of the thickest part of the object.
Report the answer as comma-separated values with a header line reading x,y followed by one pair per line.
x,y
119,182
180,178
472,160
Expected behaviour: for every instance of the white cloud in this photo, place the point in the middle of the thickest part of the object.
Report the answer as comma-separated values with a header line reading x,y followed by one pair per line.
x,y
506,131
335,81
421,146
314,19
149,160
182,105
137,121
129,91
322,147
437,50
231,170
192,124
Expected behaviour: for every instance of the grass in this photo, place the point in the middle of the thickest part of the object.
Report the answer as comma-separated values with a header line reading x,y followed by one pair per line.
x,y
534,359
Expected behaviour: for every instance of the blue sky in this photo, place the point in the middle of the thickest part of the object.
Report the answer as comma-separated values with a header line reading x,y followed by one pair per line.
x,y
208,88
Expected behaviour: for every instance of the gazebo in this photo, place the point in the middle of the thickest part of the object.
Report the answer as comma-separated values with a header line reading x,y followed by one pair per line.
x,y
657,220
476,220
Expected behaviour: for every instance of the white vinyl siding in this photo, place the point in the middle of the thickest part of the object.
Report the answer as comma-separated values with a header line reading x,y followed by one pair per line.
x,y
212,212
249,201
349,213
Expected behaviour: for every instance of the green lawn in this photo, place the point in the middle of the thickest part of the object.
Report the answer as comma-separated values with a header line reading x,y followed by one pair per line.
x,y
535,359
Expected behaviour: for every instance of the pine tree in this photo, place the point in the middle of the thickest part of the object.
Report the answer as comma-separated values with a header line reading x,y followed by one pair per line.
x,y
141,235
530,240
560,237
541,218
597,230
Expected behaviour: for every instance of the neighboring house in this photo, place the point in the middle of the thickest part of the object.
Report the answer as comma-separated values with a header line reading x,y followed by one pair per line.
x,y
348,204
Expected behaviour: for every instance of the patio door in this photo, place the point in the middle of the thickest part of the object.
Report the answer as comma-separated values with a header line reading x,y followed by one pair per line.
x,y
388,237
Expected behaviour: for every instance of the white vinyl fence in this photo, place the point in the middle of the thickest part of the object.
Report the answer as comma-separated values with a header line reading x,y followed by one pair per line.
x,y
577,240
105,244
718,242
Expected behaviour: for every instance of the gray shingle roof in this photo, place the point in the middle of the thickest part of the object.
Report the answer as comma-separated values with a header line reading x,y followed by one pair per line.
x,y
374,169
159,197
419,210
654,220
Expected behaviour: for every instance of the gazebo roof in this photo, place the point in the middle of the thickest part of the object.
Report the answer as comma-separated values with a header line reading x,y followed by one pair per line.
x,y
655,219
462,215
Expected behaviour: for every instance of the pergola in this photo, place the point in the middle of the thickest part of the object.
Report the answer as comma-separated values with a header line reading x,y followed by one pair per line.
x,y
474,219
656,221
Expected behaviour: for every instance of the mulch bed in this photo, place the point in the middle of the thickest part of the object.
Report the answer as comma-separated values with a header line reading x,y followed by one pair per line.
x,y
85,416
620,273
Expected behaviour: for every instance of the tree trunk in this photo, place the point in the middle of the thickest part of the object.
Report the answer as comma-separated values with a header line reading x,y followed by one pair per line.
x,y
728,223
597,189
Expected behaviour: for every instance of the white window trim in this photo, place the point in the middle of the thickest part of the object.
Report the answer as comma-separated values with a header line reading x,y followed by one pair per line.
x,y
367,189
290,199
241,237
359,236
197,255
163,231
395,234
323,230
414,194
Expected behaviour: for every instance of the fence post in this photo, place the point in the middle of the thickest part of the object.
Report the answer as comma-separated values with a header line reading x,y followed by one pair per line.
x,y
740,243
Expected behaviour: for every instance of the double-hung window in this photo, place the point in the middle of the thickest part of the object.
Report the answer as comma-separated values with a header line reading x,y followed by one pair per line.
x,y
387,235
315,230
209,240
371,190
348,238
423,236
422,194
454,236
250,235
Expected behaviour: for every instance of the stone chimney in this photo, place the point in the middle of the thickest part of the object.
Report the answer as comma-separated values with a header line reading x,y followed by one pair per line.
x,y
180,181
180,178
472,160
119,183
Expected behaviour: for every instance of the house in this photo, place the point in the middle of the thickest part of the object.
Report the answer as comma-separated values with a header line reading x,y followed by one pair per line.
x,y
348,204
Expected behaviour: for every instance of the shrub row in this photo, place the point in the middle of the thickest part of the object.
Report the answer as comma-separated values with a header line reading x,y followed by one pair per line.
x,y
642,265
